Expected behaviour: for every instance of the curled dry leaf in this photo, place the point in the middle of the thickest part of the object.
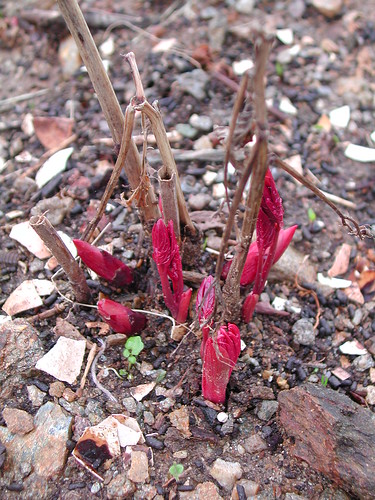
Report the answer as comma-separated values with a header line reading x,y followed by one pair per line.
x,y
104,441
64,360
52,130
23,298
341,264
25,234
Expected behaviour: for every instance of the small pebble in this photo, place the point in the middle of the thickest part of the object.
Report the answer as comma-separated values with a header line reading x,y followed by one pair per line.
x,y
222,417
334,382
154,442
201,122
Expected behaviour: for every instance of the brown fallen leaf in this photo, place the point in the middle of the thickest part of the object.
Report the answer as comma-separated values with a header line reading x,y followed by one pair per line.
x,y
341,263
52,130
367,277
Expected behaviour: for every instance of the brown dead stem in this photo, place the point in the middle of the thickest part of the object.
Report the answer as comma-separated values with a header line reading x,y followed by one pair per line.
x,y
258,166
153,114
347,221
108,101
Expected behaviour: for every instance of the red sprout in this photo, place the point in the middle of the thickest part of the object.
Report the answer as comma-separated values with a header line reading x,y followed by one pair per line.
x,y
166,255
204,307
219,360
121,318
104,264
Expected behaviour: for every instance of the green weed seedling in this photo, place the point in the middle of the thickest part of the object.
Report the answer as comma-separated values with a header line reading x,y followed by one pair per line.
x,y
311,215
133,347
324,380
176,470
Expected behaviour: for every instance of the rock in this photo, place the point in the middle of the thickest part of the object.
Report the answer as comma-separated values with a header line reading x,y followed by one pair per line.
x,y
138,472
55,208
244,6
333,434
64,360
56,389
18,421
226,473
303,332
69,57
370,398
194,83
217,30
120,487
267,410
291,263
199,201
36,396
254,444
251,489
180,419
201,122
329,8
203,491
40,455
187,130
363,363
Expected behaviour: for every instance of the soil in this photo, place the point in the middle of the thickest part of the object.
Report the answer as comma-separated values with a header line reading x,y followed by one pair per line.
x,y
333,68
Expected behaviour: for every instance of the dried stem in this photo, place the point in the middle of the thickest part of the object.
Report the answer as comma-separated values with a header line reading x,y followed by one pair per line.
x,y
169,200
259,165
112,183
153,114
107,99
349,222
55,244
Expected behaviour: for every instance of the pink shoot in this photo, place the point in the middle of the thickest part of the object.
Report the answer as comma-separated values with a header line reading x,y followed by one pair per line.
x,y
120,318
219,359
250,268
104,264
248,306
204,307
168,261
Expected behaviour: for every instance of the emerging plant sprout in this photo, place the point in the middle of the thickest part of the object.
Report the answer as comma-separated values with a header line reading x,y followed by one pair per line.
x,y
121,318
204,307
167,257
104,264
219,359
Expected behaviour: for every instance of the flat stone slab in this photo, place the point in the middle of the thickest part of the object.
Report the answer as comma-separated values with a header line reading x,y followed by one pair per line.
x,y
334,435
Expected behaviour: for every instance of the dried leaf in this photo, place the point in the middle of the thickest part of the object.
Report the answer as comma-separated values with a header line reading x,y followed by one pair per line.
x,y
367,276
52,130
341,264
64,360
53,166
25,234
23,298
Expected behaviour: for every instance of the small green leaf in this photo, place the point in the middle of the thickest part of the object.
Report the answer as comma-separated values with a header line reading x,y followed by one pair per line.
x,y
176,470
335,139
311,215
126,353
135,345
122,372
161,376
324,380
132,360
279,69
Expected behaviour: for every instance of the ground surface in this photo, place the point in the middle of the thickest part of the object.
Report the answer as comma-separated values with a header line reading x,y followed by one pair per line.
x,y
332,67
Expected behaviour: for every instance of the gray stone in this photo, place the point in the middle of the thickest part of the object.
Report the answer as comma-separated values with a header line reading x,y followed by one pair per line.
x,y
244,6
303,332
267,410
130,404
55,208
199,201
226,473
217,29
40,455
36,396
201,122
187,130
194,83
20,349
254,444
120,487
363,363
